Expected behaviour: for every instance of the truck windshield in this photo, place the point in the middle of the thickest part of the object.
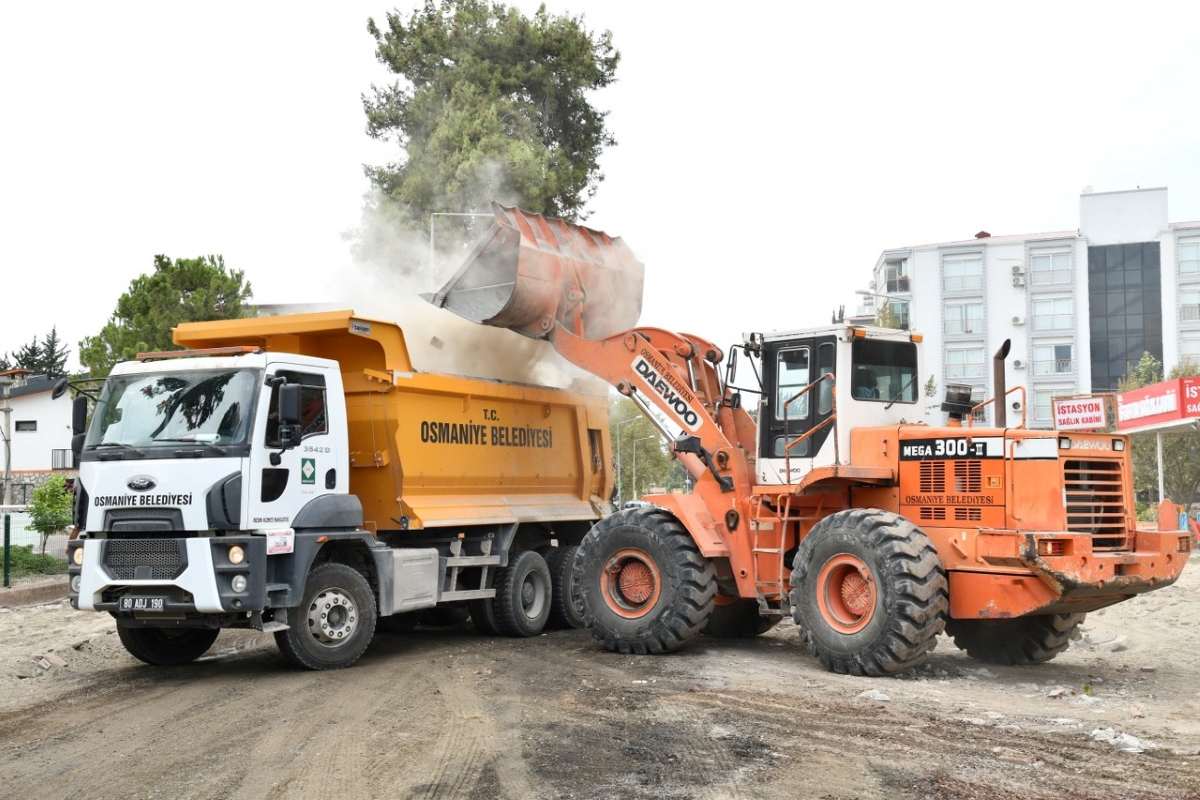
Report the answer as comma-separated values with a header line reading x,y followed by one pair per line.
x,y
200,406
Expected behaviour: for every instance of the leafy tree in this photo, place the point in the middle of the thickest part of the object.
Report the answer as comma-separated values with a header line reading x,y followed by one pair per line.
x,y
886,317
182,290
839,315
51,508
491,105
45,357
1181,451
642,462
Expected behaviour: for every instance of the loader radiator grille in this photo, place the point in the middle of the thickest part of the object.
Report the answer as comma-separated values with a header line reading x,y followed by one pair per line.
x,y
967,476
954,478
933,477
1095,494
142,559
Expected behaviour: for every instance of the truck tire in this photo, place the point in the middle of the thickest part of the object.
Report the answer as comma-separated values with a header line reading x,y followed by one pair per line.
x,y
523,591
564,607
645,587
869,593
335,620
483,616
167,647
737,618
1018,641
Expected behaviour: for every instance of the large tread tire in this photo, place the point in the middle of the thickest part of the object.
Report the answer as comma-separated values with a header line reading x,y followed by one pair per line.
x,y
167,647
869,593
644,585
738,618
523,595
1015,642
334,622
565,611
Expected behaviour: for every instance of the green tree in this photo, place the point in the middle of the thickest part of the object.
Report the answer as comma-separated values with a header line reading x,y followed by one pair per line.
x,y
51,508
839,315
182,290
886,317
1180,451
47,356
641,460
491,105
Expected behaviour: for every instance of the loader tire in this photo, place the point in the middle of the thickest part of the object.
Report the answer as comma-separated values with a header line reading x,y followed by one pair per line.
x,y
564,602
523,591
334,622
737,618
644,586
1018,641
167,647
869,593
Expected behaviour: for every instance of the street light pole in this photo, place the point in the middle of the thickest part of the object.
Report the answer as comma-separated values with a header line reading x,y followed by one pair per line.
x,y
633,486
617,431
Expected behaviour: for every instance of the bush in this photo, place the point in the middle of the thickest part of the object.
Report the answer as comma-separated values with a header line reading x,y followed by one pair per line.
x,y
23,562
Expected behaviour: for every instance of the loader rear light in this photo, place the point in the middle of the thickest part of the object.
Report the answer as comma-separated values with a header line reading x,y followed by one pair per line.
x,y
1064,443
1118,445
1052,547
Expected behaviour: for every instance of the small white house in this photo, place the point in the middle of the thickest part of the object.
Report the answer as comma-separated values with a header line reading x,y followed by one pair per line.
x,y
39,433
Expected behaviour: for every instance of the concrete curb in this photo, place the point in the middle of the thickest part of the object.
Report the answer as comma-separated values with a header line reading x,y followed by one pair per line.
x,y
32,592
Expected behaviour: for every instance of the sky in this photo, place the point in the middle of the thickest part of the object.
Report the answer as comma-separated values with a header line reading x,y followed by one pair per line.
x,y
767,153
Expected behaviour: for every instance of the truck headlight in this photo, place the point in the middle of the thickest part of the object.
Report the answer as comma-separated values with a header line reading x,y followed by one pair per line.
x,y
238,583
77,556
237,555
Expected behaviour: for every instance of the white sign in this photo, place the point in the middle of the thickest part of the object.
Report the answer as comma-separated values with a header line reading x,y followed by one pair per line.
x,y
279,542
1080,413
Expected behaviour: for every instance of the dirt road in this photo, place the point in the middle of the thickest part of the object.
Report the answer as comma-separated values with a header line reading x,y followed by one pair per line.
x,y
446,713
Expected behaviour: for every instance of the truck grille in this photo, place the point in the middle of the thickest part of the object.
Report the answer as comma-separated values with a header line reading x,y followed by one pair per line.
x,y
142,559
1095,494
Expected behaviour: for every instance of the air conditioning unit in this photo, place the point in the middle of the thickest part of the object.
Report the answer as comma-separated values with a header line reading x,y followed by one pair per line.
x,y
1018,320
1018,281
1018,364
1018,270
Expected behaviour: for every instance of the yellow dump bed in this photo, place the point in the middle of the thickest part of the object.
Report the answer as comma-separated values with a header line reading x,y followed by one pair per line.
x,y
434,451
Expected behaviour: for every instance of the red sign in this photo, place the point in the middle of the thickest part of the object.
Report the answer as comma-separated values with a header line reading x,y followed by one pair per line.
x,y
1079,413
1155,404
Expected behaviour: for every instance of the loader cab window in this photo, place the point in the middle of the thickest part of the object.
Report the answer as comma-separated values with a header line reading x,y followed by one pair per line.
x,y
792,375
313,419
884,371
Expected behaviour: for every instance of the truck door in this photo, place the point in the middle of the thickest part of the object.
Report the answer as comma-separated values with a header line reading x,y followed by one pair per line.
x,y
277,491
789,367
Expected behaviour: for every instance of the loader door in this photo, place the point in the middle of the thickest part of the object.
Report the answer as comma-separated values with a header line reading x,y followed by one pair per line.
x,y
788,411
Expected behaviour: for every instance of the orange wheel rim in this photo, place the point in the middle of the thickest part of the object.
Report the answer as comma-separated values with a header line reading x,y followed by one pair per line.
x,y
846,593
630,583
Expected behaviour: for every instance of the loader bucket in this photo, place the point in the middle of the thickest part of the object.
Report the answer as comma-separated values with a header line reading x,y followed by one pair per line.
x,y
528,273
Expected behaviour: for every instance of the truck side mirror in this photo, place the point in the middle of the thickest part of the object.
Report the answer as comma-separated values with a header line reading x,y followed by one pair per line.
x,y
79,409
289,418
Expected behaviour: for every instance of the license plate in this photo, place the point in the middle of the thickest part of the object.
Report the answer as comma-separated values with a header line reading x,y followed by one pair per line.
x,y
142,604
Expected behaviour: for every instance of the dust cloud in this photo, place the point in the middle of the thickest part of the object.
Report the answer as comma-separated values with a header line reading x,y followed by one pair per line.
x,y
395,265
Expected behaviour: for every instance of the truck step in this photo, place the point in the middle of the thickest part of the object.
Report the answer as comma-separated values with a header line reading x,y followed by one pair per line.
x,y
274,627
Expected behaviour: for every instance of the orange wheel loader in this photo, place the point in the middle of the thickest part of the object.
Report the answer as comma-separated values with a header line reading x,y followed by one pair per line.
x,y
829,499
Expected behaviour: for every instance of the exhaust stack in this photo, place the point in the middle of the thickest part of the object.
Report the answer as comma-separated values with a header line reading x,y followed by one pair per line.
x,y
529,274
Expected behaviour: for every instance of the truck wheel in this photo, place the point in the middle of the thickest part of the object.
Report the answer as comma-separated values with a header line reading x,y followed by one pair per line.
x,y
644,584
522,602
1017,641
335,621
564,609
483,616
868,593
167,647
737,618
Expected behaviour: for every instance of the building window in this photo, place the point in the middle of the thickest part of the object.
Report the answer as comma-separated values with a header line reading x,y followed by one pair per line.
x,y
26,425
964,363
1047,269
1055,313
892,314
895,276
1189,257
978,395
1043,406
964,318
962,273
1053,359
1189,350
1189,305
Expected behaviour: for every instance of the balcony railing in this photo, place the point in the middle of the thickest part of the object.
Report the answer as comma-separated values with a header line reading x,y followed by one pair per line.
x,y
62,459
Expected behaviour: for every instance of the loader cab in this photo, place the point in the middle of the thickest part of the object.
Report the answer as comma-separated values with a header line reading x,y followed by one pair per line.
x,y
812,379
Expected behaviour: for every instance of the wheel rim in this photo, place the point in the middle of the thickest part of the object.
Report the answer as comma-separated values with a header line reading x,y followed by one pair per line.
x,y
332,617
846,593
630,583
534,591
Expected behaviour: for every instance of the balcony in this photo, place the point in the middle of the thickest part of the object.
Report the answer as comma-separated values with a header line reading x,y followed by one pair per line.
x,y
62,459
